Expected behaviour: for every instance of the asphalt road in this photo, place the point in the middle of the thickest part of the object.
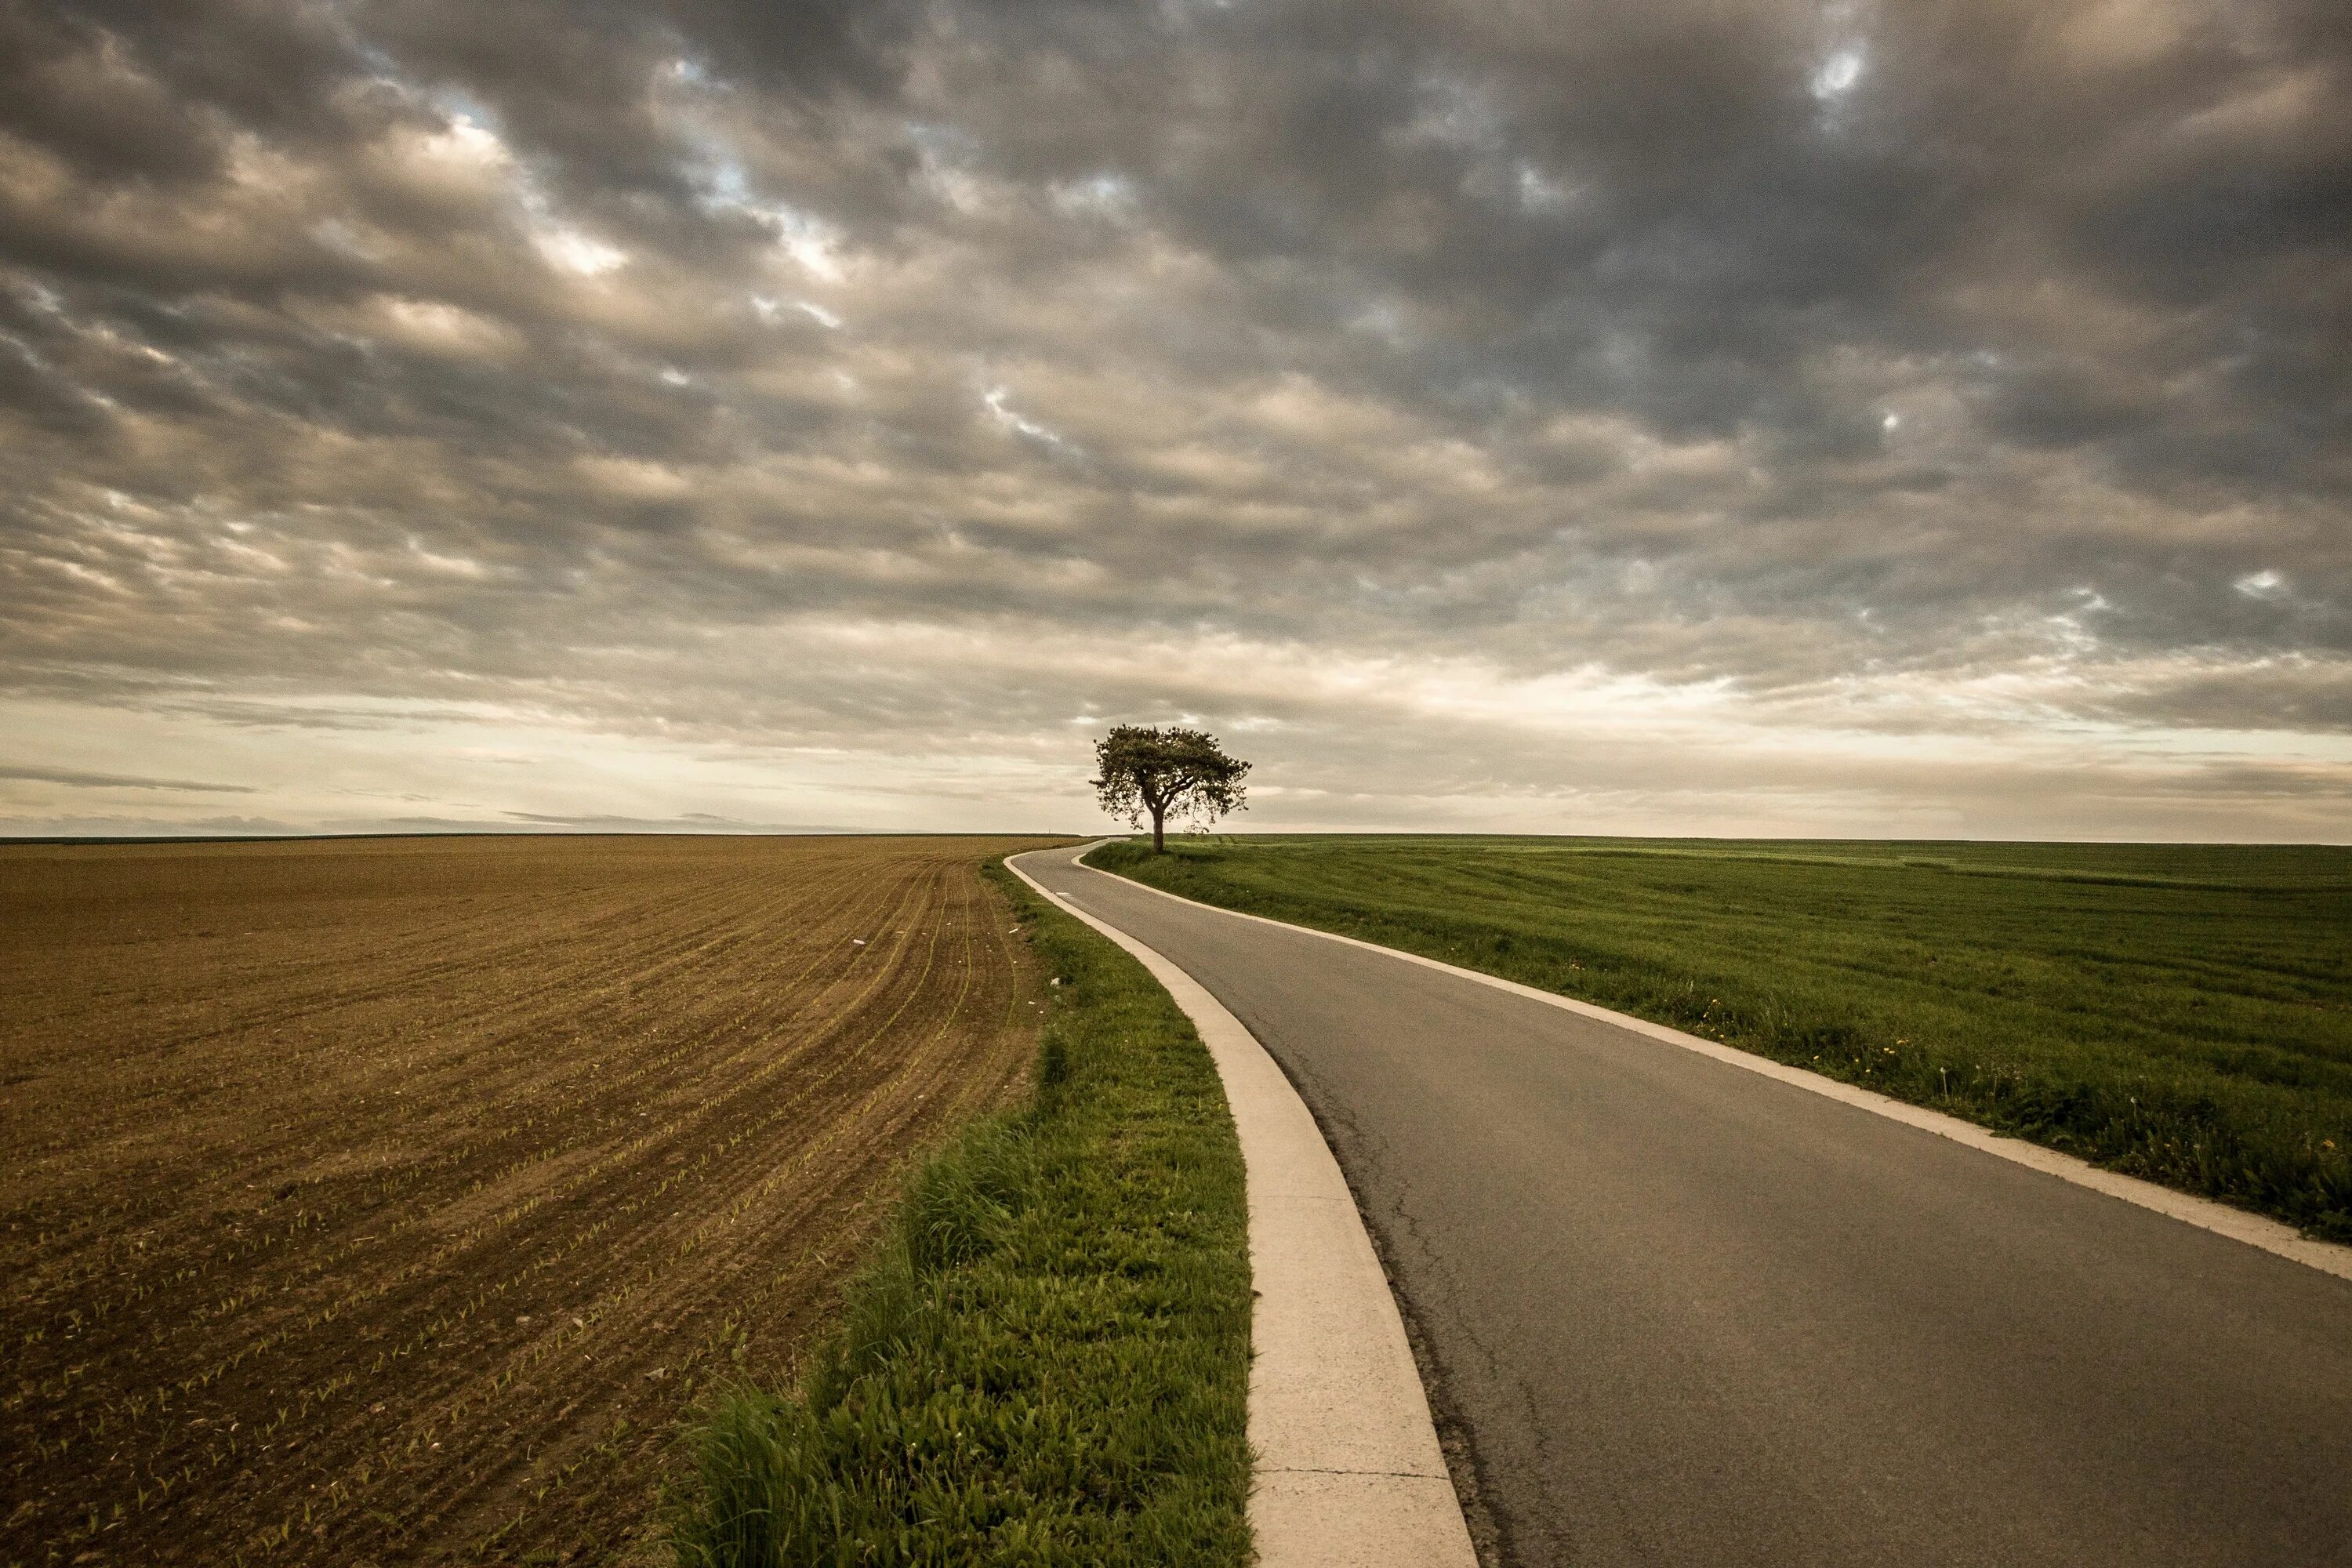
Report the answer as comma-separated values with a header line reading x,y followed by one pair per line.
x,y
1686,1315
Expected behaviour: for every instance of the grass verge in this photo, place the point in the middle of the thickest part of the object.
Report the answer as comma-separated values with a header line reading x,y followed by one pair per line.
x,y
1048,1361
2178,1012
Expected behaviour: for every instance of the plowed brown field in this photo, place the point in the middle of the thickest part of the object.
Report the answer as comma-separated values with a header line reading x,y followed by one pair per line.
x,y
389,1201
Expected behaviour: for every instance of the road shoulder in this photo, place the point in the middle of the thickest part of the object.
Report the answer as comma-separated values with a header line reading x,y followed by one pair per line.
x,y
1348,1470
2239,1225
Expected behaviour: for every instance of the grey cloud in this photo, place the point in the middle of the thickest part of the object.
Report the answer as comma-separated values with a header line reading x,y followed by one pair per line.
x,y
78,780
631,368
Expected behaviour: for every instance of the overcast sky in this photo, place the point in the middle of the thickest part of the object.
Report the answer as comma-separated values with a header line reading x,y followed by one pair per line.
x,y
1917,419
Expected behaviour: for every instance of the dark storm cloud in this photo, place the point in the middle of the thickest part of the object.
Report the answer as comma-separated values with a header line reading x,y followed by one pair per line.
x,y
868,375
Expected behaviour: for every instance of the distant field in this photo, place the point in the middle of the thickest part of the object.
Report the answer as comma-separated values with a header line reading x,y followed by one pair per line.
x,y
2181,1013
389,1201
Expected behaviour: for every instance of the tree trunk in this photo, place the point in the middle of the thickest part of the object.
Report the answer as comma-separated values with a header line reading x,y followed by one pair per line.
x,y
1159,839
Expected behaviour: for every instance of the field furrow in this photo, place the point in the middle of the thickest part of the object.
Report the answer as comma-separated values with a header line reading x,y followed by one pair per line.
x,y
388,1200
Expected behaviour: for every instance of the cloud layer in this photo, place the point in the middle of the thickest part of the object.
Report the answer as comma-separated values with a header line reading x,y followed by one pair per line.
x,y
1685,417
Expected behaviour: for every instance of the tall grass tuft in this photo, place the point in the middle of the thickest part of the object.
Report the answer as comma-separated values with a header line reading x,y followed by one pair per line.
x,y
1048,1361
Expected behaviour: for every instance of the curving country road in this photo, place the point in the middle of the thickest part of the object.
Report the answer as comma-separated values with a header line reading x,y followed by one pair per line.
x,y
1687,1315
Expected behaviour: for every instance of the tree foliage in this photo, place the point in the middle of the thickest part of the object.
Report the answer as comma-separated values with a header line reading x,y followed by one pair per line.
x,y
1159,773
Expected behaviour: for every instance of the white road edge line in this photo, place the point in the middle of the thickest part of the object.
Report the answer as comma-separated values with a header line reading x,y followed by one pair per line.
x,y
1347,1472
2238,1224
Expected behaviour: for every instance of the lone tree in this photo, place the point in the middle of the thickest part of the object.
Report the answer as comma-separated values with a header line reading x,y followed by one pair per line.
x,y
1162,773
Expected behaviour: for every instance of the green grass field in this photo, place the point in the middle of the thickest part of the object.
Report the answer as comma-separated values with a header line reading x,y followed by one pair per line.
x,y
2182,1013
1048,1364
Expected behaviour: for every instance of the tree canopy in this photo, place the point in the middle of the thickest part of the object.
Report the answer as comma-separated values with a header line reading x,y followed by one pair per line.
x,y
1161,774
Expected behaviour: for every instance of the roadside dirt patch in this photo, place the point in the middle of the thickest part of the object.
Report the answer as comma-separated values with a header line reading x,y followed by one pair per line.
x,y
389,1201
